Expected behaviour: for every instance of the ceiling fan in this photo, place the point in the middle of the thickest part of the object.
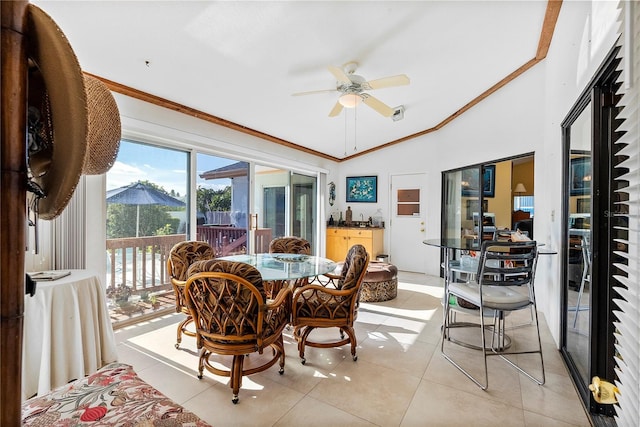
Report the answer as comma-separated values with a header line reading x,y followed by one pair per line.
x,y
352,88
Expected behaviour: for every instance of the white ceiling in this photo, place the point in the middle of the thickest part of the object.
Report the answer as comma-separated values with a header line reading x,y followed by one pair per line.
x,y
241,60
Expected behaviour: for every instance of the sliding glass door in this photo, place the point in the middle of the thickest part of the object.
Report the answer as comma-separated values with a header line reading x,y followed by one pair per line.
x,y
239,208
579,253
147,200
594,235
286,203
304,207
274,200
223,204
462,204
480,199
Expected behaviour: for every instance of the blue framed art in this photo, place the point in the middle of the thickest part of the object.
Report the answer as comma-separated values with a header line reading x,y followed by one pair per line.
x,y
363,189
470,177
580,176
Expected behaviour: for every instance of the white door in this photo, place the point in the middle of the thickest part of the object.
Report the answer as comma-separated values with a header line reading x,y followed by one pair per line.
x,y
408,222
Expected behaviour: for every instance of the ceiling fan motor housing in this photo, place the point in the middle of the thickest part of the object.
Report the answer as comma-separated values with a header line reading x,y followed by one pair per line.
x,y
356,85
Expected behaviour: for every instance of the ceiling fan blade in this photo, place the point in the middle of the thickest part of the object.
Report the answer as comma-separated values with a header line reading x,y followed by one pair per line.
x,y
399,80
337,109
377,105
339,74
311,92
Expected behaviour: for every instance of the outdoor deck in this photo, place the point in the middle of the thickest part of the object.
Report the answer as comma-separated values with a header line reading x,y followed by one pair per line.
x,y
143,287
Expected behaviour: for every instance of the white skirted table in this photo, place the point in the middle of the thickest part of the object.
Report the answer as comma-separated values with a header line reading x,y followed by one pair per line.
x,y
67,332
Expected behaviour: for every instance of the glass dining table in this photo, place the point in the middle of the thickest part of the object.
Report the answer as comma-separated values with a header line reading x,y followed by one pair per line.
x,y
450,245
285,267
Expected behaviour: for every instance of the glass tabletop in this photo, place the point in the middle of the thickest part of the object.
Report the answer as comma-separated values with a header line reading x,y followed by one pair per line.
x,y
473,245
455,243
285,266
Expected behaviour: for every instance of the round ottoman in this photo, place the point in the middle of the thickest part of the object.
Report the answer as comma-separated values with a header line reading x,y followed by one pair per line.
x,y
380,283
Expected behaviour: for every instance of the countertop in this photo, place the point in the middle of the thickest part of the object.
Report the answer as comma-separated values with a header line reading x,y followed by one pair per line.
x,y
355,226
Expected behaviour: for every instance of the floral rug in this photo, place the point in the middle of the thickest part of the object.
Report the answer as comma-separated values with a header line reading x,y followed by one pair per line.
x,y
113,396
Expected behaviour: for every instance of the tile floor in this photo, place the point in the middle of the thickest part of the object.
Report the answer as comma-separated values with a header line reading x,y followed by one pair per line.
x,y
399,379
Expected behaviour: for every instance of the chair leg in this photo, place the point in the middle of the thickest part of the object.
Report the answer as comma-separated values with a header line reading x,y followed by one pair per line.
x,y
445,333
203,355
499,341
182,329
353,340
236,376
301,334
575,318
282,355
503,355
179,335
582,283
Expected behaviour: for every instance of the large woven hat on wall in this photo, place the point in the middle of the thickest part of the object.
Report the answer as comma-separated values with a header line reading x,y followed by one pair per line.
x,y
57,114
103,140
74,123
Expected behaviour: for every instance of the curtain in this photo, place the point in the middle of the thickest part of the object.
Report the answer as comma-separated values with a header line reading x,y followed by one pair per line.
x,y
68,232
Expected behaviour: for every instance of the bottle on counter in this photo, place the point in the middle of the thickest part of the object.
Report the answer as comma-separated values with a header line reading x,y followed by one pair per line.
x,y
331,219
377,219
349,216
340,221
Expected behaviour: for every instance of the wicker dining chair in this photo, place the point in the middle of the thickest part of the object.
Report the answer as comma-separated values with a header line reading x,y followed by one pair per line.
x,y
290,245
332,305
233,318
286,245
181,256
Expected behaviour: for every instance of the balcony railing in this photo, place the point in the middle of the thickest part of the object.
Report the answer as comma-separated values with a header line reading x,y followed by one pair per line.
x,y
229,240
140,262
138,284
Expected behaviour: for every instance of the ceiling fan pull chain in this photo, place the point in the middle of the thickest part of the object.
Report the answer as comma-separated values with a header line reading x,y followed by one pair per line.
x,y
355,126
345,133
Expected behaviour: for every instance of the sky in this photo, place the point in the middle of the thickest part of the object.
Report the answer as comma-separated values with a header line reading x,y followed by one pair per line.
x,y
164,167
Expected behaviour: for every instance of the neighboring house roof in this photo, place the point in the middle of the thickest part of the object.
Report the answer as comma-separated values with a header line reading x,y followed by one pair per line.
x,y
230,171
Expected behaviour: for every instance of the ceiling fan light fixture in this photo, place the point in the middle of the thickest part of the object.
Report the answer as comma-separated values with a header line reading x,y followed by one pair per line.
x,y
350,100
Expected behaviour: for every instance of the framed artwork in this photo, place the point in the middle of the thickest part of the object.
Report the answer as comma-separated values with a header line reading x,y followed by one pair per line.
x,y
471,184
580,176
362,189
